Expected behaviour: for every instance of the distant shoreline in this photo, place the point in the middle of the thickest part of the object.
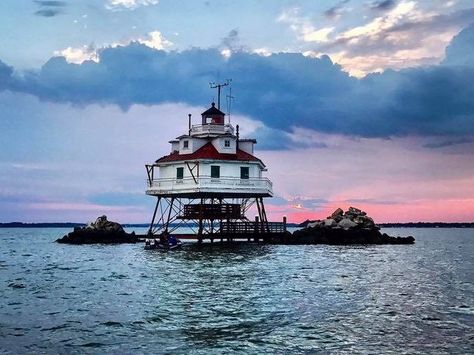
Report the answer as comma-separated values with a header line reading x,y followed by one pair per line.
x,y
145,225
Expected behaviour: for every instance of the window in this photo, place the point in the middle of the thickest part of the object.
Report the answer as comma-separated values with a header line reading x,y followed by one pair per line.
x,y
244,172
215,171
185,144
227,143
179,173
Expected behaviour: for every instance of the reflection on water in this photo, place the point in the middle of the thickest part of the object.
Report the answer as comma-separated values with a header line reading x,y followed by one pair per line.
x,y
239,297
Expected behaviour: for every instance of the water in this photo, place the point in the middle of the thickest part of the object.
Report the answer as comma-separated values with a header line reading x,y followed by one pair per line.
x,y
244,298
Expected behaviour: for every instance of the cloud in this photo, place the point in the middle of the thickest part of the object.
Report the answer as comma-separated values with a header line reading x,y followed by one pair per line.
x,y
320,35
461,49
303,27
79,55
448,143
402,35
231,41
383,5
48,12
336,11
50,3
153,39
129,4
379,25
63,147
5,76
357,172
49,8
285,91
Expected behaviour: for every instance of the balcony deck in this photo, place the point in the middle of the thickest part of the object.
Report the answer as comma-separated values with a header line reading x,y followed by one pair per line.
x,y
210,187
210,129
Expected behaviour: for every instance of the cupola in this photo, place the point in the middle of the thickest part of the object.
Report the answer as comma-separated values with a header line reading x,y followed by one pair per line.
x,y
213,116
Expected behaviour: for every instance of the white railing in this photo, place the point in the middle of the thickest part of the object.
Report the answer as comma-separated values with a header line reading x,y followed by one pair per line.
x,y
210,128
208,184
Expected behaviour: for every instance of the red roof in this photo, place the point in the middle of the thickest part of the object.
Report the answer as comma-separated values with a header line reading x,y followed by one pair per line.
x,y
208,151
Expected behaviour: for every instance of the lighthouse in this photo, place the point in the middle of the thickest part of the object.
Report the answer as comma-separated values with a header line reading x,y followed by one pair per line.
x,y
209,181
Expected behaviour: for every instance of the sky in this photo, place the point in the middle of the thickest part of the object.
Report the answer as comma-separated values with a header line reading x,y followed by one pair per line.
x,y
365,103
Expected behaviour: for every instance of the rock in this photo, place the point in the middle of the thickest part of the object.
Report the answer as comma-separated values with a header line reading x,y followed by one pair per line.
x,y
350,227
305,223
101,223
337,215
346,223
329,222
356,211
101,231
314,224
340,236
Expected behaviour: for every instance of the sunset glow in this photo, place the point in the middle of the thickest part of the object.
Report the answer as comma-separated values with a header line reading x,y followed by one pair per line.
x,y
353,103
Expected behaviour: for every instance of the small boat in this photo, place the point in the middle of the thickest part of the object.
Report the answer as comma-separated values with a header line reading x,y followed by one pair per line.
x,y
163,243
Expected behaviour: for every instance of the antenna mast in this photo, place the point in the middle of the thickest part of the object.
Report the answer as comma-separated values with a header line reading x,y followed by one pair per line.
x,y
229,101
219,86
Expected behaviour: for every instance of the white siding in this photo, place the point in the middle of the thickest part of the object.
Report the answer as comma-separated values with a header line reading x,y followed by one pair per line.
x,y
193,145
246,146
219,144
227,169
169,171
174,147
230,169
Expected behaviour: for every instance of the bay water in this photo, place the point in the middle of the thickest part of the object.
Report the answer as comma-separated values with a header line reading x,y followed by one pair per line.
x,y
238,298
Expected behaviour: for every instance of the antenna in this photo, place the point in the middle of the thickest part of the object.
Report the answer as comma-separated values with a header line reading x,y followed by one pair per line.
x,y
229,101
219,86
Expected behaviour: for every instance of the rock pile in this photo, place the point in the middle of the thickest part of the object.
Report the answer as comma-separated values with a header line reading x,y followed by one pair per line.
x,y
352,218
350,227
100,231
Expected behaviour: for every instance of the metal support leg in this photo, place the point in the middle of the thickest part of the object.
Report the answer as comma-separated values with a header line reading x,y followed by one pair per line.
x,y
169,214
154,215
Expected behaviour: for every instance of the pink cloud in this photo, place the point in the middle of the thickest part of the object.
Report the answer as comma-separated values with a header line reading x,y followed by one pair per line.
x,y
394,180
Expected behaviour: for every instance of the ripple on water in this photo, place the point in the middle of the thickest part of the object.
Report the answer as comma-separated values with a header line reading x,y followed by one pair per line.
x,y
241,298
16,285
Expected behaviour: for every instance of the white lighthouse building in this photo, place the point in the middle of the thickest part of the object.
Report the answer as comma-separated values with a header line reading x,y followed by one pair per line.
x,y
208,182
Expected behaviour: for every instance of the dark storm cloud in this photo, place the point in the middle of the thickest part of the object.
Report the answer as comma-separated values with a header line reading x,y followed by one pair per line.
x,y
282,90
5,76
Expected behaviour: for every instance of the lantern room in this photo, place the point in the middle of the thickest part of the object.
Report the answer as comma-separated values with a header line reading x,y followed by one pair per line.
x,y
213,116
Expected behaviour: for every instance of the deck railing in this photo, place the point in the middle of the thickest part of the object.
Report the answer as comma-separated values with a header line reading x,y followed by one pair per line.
x,y
211,128
249,227
207,183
